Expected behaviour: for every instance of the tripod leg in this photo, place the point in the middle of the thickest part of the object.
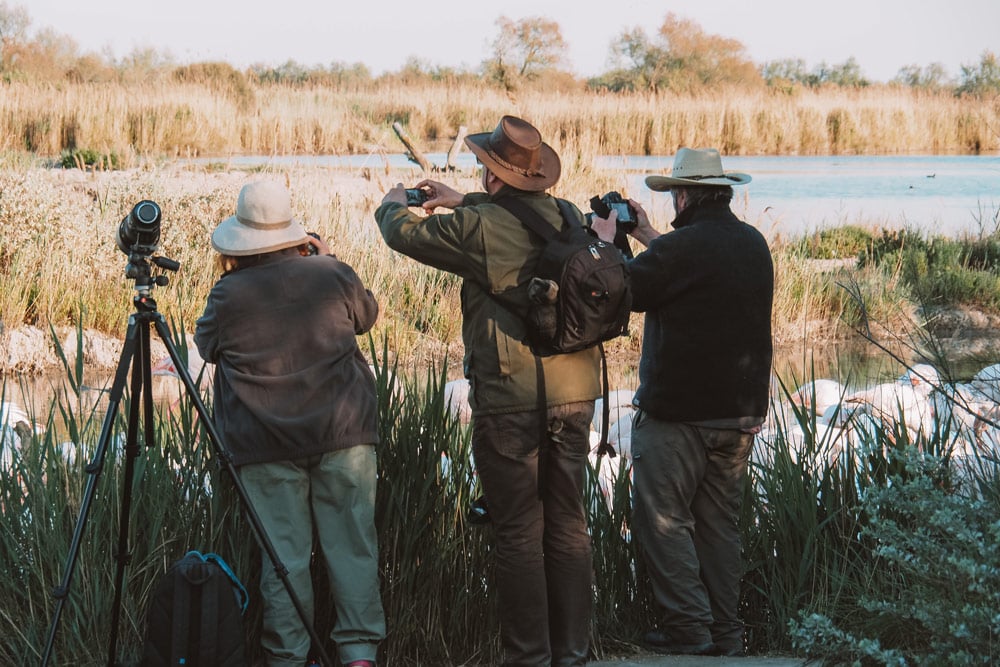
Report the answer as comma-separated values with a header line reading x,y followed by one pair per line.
x,y
94,469
222,455
141,397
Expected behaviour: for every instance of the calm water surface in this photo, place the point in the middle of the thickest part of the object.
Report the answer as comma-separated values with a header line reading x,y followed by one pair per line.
x,y
789,195
947,195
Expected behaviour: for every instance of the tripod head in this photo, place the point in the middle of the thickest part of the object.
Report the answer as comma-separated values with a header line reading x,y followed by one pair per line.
x,y
139,269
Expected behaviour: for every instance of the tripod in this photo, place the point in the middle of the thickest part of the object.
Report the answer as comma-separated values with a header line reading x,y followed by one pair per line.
x,y
135,353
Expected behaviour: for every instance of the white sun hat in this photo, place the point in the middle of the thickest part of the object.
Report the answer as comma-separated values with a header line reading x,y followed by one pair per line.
x,y
701,166
263,222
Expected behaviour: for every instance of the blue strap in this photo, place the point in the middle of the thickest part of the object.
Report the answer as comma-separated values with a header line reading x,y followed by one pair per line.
x,y
241,592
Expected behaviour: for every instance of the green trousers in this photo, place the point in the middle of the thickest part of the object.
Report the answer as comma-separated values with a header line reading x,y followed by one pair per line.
x,y
335,493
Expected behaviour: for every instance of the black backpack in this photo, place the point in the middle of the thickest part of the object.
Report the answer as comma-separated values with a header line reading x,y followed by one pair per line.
x,y
579,295
195,616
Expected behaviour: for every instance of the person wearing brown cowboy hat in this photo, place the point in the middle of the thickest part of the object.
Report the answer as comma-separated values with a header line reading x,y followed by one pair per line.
x,y
295,403
532,477
704,370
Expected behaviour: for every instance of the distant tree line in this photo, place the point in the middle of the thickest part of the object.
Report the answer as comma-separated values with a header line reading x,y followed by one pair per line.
x,y
524,53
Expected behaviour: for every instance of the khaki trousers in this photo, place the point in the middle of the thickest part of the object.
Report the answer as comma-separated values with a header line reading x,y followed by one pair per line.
x,y
336,491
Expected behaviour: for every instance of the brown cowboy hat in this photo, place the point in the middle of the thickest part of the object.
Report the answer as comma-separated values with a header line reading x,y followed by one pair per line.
x,y
515,152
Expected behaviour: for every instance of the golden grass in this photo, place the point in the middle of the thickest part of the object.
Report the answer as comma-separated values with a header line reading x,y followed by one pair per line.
x,y
57,228
189,119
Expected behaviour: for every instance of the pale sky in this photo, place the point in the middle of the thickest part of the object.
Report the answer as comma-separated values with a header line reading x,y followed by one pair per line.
x,y
882,35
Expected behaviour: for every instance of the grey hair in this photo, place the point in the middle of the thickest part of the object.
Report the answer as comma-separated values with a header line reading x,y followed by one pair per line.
x,y
706,194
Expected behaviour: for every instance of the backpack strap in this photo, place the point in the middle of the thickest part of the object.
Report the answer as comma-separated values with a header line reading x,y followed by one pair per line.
x,y
604,447
240,590
530,218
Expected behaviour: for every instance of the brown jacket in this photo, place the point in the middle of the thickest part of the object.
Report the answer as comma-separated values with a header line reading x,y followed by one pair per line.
x,y
290,379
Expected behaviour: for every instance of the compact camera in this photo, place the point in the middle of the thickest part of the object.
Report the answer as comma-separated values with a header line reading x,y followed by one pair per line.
x,y
613,201
416,196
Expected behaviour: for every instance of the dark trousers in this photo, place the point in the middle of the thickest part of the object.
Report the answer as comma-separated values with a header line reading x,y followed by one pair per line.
x,y
533,485
688,483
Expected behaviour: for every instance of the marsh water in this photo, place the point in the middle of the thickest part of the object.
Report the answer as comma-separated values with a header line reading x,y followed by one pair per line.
x,y
939,194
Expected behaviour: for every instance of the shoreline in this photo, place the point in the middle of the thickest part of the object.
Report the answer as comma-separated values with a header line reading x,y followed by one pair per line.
x,y
30,351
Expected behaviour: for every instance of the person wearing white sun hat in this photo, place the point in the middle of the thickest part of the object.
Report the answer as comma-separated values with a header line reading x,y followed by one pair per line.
x,y
296,407
704,370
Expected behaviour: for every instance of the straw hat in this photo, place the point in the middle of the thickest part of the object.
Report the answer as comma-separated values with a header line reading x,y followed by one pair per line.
x,y
696,167
263,222
514,151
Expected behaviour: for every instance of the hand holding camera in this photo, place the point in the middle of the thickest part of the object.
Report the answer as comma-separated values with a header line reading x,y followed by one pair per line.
x,y
416,196
313,246
626,220
613,201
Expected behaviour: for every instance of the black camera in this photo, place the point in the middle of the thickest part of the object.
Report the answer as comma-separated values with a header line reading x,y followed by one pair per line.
x,y
310,248
479,512
139,231
416,196
613,201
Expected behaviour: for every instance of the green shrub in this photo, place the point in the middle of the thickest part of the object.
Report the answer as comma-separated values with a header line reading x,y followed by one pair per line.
x,y
82,158
933,594
886,248
834,243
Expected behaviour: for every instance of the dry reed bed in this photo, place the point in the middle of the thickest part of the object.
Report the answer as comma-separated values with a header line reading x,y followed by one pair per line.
x,y
178,119
60,265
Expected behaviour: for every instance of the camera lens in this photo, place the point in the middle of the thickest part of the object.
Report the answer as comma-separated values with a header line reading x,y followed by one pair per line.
x,y
139,231
146,214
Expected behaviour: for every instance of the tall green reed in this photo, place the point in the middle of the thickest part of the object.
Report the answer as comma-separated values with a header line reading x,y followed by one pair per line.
x,y
806,533
180,501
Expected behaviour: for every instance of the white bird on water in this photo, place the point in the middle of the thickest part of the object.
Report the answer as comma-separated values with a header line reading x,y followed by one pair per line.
x,y
903,403
12,414
818,395
15,425
456,399
619,403
196,366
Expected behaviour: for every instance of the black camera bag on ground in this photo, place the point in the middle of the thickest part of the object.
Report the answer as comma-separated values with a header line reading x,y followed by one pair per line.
x,y
195,616
579,297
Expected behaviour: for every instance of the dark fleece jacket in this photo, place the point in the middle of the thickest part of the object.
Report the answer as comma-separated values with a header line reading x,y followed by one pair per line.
x,y
290,380
706,289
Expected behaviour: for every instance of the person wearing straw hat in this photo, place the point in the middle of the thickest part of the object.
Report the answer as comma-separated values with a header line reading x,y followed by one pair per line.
x,y
296,407
530,415
706,289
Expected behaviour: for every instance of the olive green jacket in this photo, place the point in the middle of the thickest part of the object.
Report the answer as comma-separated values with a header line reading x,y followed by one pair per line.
x,y
492,252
